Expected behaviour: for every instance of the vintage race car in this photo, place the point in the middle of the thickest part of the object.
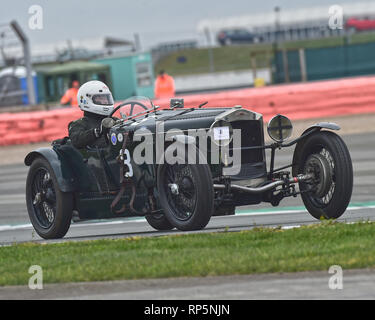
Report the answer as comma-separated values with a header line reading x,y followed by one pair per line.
x,y
177,167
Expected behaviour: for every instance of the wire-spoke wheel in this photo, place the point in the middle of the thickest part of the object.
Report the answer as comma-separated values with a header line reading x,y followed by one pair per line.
x,y
326,157
50,210
181,191
44,197
186,194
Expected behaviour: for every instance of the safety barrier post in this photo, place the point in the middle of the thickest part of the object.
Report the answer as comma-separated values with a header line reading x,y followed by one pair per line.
x,y
285,65
302,63
253,65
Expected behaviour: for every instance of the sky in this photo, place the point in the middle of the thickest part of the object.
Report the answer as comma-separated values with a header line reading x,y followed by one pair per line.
x,y
154,20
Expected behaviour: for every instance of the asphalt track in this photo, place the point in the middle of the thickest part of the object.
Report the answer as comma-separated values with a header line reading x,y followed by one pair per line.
x,y
357,284
15,225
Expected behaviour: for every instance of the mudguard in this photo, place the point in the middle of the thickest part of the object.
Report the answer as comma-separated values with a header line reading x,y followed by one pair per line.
x,y
61,168
322,125
301,142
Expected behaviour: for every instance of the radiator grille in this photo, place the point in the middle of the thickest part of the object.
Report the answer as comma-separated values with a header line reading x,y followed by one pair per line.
x,y
251,136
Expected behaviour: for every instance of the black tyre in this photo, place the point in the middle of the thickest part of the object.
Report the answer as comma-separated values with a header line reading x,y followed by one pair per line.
x,y
50,210
326,157
159,222
186,194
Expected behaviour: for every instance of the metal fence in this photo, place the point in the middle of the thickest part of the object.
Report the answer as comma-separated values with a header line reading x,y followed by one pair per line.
x,y
14,52
324,63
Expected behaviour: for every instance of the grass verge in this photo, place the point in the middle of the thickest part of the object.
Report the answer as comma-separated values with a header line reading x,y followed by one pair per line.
x,y
237,57
260,250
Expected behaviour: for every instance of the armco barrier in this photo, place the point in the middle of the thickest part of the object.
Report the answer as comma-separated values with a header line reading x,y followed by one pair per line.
x,y
297,101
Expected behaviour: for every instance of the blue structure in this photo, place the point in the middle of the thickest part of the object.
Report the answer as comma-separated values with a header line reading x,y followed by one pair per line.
x,y
13,85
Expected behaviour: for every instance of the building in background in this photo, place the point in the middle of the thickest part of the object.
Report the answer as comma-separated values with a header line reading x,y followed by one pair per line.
x,y
54,80
70,50
111,60
131,75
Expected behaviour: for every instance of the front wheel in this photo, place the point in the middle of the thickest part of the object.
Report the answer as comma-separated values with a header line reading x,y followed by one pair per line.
x,y
186,194
326,158
159,222
50,210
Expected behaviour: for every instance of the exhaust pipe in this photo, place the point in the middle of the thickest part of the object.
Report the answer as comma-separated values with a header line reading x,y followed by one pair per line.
x,y
270,186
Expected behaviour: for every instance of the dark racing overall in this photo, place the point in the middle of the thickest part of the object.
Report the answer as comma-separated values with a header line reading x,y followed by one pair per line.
x,y
82,131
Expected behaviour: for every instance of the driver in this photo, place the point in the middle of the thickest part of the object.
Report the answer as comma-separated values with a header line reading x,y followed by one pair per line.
x,y
96,102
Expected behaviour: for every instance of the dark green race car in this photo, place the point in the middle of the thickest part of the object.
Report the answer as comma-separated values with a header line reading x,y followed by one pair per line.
x,y
178,167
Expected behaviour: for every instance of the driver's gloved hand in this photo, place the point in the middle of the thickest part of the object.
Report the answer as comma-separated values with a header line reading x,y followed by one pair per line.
x,y
105,125
98,132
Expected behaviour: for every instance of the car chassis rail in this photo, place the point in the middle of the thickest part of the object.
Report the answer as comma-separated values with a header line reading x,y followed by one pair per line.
x,y
267,187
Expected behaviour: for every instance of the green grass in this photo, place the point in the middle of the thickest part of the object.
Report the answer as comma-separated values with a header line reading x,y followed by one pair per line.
x,y
256,251
238,57
225,58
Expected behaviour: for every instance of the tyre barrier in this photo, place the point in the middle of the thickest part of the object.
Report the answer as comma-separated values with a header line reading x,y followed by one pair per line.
x,y
317,99
38,126
297,101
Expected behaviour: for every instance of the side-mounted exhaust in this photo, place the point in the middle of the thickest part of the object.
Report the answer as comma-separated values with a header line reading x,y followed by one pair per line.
x,y
267,187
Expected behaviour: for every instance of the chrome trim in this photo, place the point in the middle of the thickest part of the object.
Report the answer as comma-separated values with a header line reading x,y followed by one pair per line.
x,y
238,113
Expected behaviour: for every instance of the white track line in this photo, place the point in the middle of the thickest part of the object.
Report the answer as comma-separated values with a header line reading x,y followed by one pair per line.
x,y
138,220
15,227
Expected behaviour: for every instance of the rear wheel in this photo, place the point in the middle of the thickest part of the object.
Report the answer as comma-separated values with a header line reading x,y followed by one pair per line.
x,y
326,157
50,210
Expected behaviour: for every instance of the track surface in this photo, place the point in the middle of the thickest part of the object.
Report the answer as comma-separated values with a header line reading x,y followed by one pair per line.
x,y
15,225
357,284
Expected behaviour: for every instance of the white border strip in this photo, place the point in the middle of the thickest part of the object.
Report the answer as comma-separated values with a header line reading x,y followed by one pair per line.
x,y
139,220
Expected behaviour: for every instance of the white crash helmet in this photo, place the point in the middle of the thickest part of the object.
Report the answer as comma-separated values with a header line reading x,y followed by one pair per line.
x,y
95,97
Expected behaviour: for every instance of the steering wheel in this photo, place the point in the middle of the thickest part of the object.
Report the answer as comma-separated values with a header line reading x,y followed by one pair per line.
x,y
132,104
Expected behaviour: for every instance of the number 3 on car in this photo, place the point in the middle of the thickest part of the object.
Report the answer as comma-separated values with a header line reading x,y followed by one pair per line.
x,y
125,156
